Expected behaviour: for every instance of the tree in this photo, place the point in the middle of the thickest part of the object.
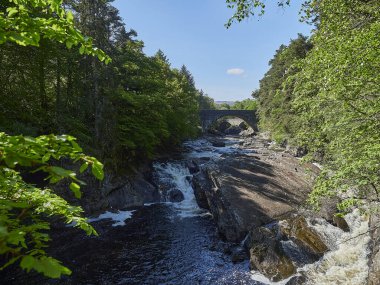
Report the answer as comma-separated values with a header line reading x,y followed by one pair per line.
x,y
247,8
24,208
274,96
322,94
336,97
246,104
205,102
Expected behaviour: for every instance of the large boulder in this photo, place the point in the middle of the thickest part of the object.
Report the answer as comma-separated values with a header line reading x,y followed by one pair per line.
x,y
341,223
192,166
223,125
277,249
247,133
233,130
243,126
244,192
268,257
298,230
128,192
217,143
209,196
175,195
201,184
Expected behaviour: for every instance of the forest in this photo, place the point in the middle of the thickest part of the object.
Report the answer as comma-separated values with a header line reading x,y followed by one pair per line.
x,y
72,68
77,87
322,94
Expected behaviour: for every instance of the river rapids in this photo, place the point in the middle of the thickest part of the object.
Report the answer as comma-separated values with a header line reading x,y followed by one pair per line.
x,y
178,243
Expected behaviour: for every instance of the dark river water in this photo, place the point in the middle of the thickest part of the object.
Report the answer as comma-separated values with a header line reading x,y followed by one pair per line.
x,y
163,243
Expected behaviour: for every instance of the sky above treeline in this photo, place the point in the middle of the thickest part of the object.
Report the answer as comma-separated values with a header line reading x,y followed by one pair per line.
x,y
227,64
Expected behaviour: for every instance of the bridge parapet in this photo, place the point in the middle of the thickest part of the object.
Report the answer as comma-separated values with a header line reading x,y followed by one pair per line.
x,y
210,116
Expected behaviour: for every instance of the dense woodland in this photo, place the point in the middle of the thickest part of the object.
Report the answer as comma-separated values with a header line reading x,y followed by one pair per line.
x,y
100,90
122,112
320,93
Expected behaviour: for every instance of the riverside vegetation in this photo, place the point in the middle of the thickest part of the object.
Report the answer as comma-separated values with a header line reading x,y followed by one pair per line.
x,y
121,106
321,94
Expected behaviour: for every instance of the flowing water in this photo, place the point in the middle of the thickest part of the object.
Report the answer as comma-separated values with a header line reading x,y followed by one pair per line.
x,y
177,243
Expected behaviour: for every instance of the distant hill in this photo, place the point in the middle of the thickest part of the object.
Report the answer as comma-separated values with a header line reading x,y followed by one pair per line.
x,y
225,102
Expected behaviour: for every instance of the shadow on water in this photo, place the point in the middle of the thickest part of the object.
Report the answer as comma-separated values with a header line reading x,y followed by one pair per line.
x,y
154,247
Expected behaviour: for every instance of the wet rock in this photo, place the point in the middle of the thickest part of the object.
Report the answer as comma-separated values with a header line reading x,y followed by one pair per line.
x,y
175,195
148,191
328,208
215,132
233,130
267,256
205,159
374,258
222,126
243,126
238,254
303,235
201,184
275,253
217,143
124,197
248,132
130,194
192,166
341,223
208,191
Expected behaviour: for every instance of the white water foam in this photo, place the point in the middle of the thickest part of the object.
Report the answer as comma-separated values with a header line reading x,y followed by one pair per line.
x,y
119,217
203,148
347,262
257,276
178,174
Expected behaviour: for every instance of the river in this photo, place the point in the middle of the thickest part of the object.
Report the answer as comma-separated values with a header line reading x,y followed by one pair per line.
x,y
178,243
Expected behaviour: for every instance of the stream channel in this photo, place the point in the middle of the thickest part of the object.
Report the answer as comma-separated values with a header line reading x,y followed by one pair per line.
x,y
161,243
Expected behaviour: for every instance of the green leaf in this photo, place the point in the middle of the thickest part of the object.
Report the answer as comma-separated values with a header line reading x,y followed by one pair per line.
x,y
69,16
51,267
12,11
27,262
61,171
83,167
69,44
81,49
97,170
76,190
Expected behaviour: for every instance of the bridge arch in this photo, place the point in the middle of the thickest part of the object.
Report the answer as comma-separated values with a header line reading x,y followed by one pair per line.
x,y
208,117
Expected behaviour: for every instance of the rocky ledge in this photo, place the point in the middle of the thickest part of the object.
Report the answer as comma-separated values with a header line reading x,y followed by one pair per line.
x,y
250,190
257,198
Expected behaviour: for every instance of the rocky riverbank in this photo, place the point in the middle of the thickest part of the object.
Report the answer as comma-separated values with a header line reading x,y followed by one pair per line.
x,y
258,198
255,192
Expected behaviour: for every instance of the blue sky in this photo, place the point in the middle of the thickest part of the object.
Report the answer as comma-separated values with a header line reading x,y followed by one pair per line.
x,y
226,63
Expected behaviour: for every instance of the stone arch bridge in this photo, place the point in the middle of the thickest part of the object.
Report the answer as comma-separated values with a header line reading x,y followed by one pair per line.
x,y
210,116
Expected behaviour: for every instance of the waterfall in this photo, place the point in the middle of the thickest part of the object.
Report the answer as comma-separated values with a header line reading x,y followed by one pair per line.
x,y
178,175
